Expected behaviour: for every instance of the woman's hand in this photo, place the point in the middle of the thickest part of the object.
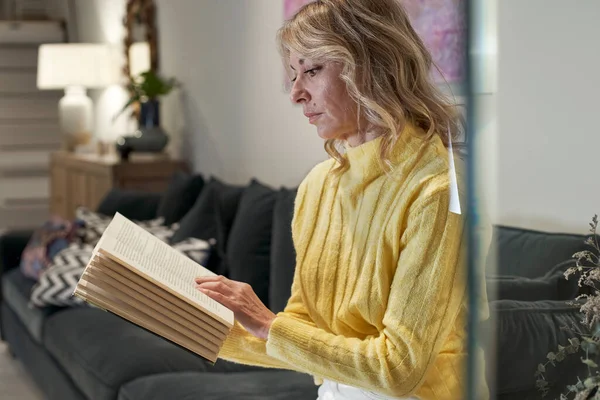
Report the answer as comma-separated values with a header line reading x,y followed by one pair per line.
x,y
241,299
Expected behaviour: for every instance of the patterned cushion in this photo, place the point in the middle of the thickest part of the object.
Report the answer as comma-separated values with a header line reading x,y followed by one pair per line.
x,y
95,225
56,286
55,235
196,249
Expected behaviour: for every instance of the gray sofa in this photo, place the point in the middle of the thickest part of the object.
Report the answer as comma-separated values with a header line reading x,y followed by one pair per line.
x,y
528,296
85,353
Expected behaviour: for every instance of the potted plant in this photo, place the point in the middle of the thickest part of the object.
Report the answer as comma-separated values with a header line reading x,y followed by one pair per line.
x,y
146,89
586,337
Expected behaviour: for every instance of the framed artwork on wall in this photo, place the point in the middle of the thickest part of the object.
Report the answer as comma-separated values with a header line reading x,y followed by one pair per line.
x,y
441,25
290,7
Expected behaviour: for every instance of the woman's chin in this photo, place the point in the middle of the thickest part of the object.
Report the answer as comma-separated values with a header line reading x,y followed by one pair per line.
x,y
325,135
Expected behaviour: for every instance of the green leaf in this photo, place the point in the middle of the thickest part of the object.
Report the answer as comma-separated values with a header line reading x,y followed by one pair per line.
x,y
560,356
596,333
590,383
541,368
590,347
541,383
551,356
133,99
574,342
572,388
589,362
561,348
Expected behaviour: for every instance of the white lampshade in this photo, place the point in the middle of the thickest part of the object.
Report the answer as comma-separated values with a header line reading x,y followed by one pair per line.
x,y
76,67
139,58
77,64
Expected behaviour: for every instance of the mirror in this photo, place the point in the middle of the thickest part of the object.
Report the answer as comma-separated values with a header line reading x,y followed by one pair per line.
x,y
140,42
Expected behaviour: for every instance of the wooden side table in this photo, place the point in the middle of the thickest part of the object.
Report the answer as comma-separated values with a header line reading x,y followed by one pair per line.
x,y
84,179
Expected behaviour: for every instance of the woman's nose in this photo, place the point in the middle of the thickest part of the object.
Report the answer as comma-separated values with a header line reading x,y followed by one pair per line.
x,y
298,94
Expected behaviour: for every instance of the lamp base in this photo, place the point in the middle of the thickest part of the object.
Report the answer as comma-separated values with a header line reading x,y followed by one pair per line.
x,y
72,141
75,112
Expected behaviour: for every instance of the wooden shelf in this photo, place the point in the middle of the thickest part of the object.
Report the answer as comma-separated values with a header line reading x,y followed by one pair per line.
x,y
84,180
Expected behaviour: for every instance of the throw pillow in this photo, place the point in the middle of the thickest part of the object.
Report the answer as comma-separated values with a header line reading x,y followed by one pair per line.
x,y
551,286
227,204
135,205
53,236
528,253
283,254
249,245
211,217
95,224
182,192
57,284
200,221
196,249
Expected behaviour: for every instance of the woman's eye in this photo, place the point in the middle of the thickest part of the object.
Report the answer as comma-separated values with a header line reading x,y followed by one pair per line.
x,y
313,71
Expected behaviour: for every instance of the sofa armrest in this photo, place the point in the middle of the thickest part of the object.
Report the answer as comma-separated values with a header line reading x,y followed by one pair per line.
x,y
12,244
137,205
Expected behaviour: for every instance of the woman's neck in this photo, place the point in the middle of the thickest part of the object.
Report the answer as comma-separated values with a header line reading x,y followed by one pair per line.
x,y
359,138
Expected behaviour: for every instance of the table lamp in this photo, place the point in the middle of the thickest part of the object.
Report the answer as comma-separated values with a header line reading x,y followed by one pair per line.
x,y
76,67
139,58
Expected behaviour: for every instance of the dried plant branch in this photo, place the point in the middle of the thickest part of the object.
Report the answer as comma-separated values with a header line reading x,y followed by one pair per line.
x,y
587,266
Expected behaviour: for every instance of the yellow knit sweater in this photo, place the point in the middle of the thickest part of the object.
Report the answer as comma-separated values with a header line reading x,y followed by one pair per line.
x,y
379,293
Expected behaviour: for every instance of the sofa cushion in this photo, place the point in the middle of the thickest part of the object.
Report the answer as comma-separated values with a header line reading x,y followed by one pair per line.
x,y
178,199
551,286
53,236
57,284
211,218
133,204
16,288
528,253
518,337
95,224
283,254
101,352
228,201
200,220
249,246
272,384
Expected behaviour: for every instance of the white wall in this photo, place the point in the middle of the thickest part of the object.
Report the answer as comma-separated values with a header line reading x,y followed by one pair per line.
x,y
548,110
232,118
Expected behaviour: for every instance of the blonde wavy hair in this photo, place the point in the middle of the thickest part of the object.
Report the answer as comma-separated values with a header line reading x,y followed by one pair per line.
x,y
386,67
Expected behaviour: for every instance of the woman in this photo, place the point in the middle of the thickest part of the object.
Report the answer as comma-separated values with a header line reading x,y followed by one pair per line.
x,y
378,301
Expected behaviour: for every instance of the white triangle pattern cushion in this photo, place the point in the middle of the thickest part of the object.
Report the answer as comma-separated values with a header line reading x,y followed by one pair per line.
x,y
57,284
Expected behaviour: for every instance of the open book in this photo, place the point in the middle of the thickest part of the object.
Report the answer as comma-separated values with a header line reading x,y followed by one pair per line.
x,y
140,278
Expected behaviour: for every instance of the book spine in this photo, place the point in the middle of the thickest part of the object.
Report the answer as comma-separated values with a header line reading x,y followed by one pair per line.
x,y
82,297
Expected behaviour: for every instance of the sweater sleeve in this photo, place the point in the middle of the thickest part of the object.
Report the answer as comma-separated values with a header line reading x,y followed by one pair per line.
x,y
243,347
426,295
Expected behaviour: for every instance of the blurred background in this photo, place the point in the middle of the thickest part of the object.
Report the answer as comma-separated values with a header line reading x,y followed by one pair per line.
x,y
140,106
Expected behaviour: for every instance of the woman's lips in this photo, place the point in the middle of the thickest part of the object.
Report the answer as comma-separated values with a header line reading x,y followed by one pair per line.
x,y
312,117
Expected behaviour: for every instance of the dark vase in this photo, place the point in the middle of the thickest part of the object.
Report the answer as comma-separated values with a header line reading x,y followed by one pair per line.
x,y
149,114
150,137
